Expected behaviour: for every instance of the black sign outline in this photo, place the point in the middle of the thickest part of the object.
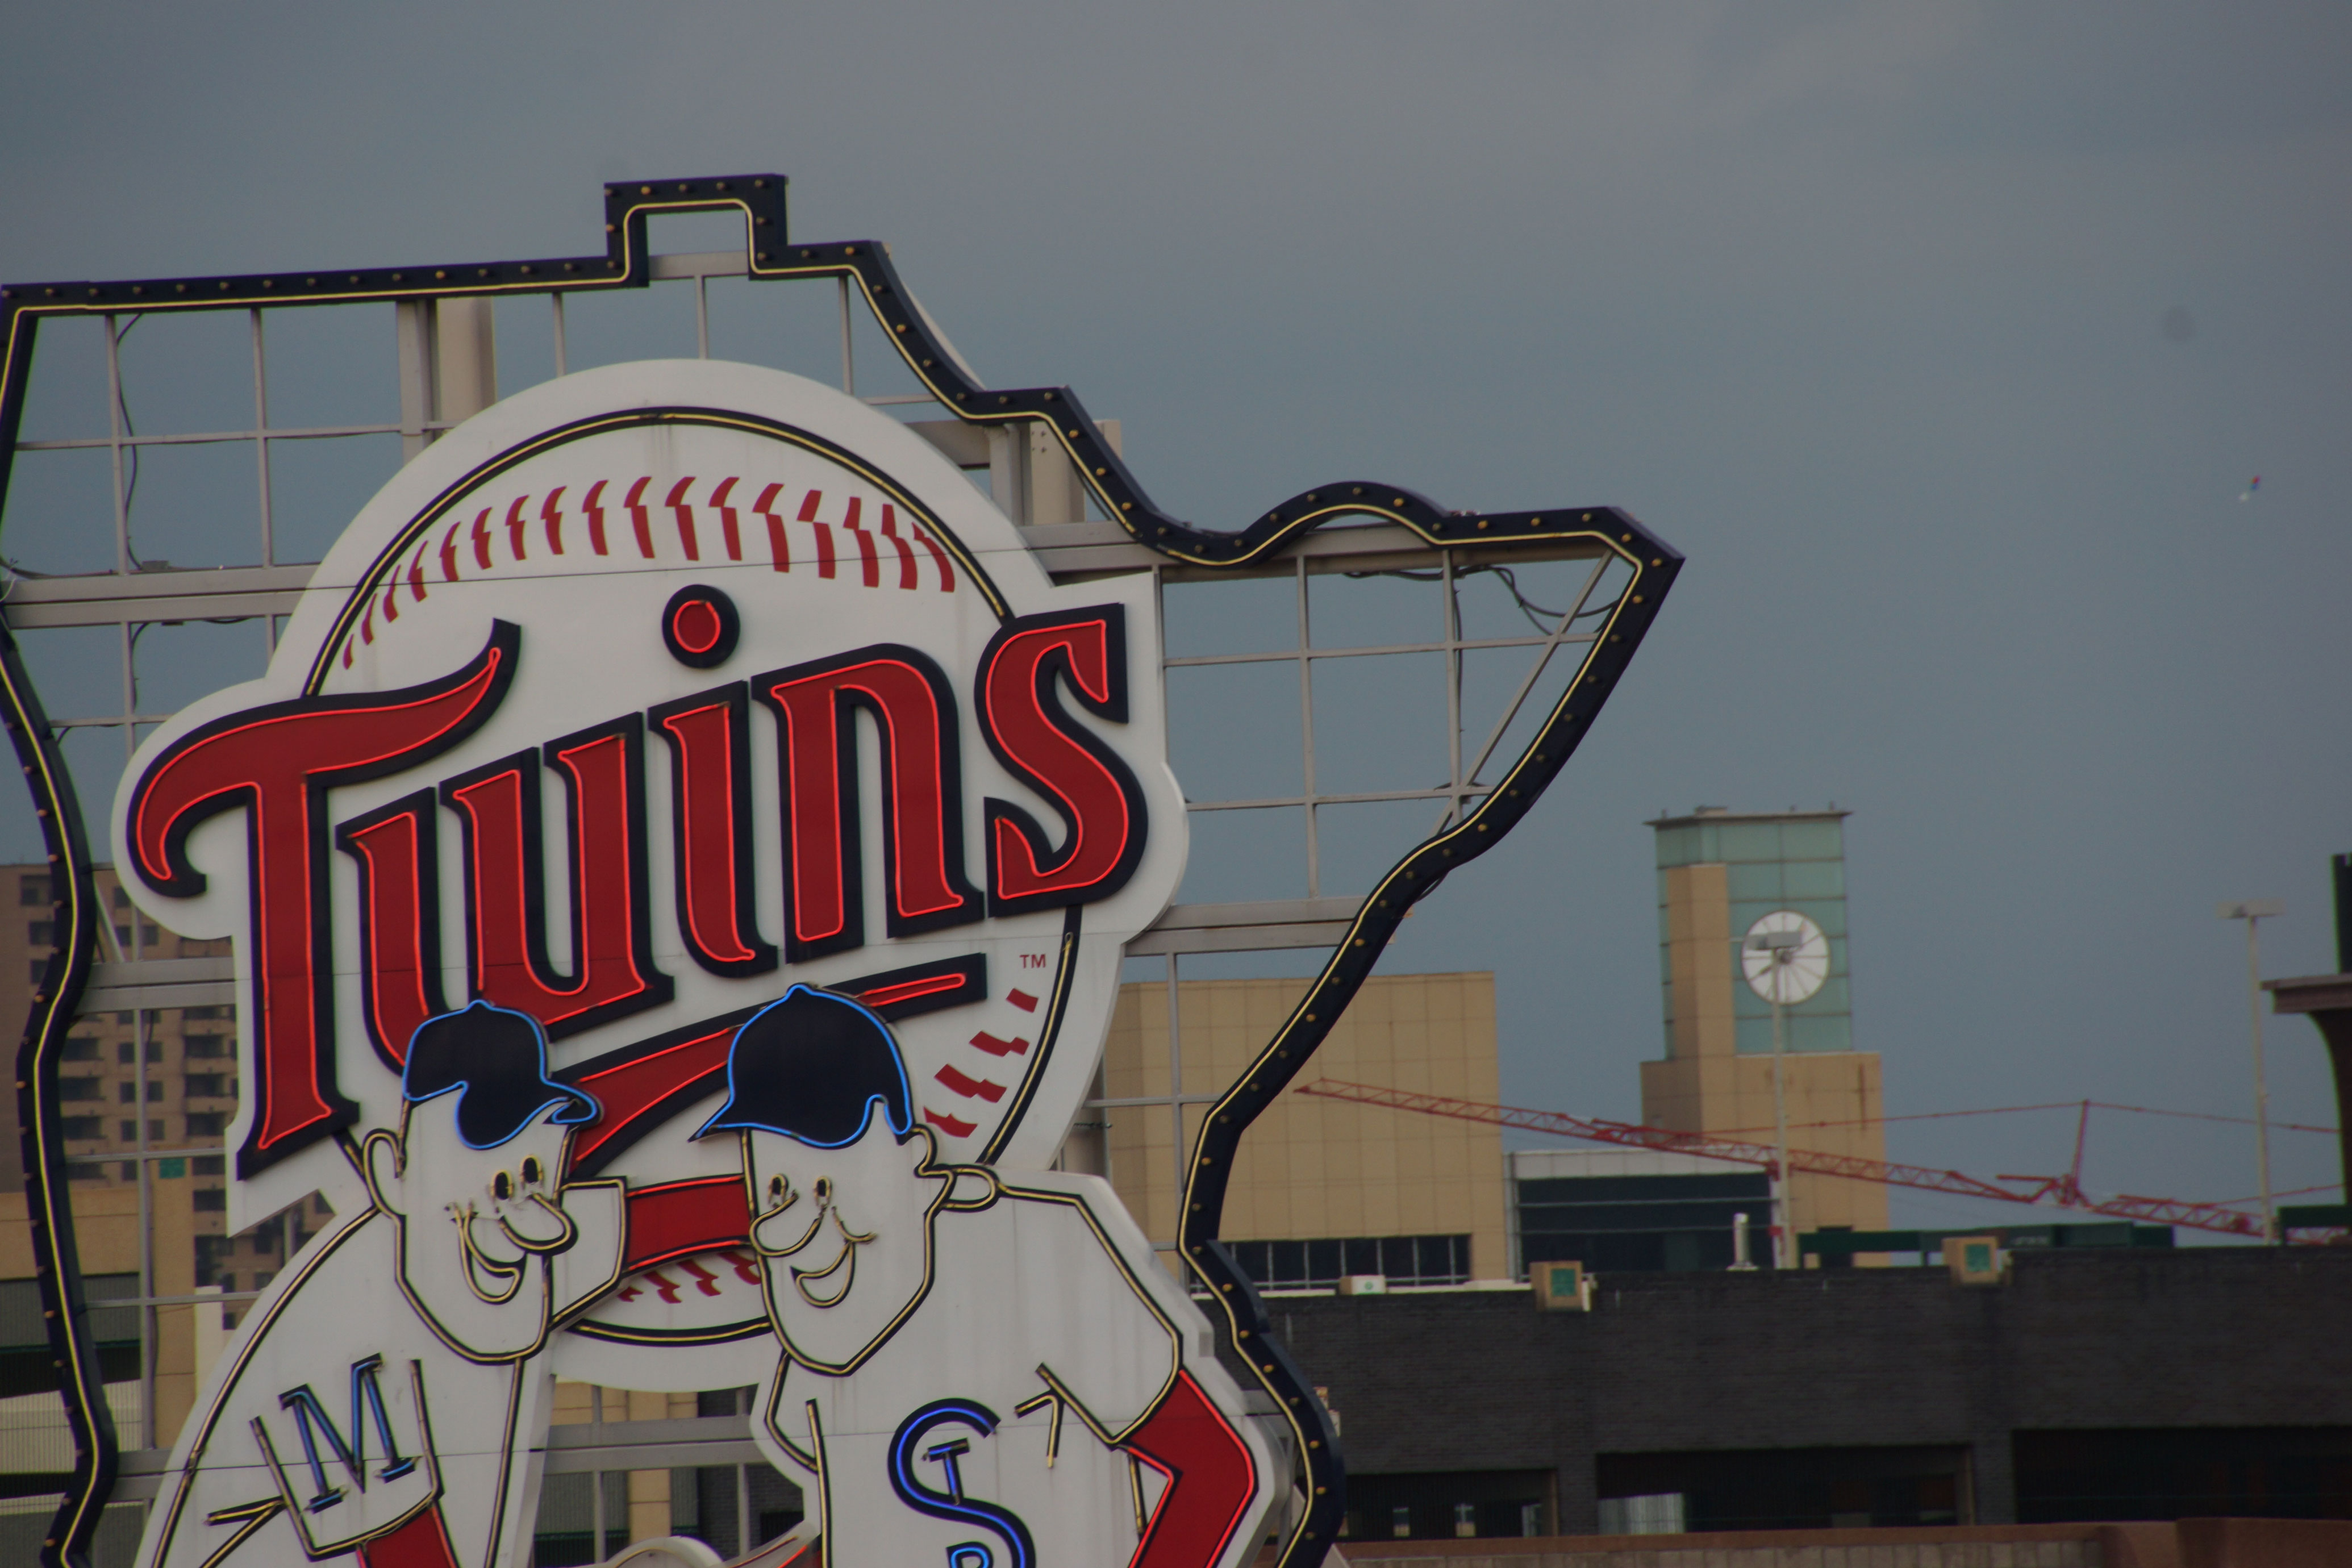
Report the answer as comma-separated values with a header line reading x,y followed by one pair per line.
x,y
627,263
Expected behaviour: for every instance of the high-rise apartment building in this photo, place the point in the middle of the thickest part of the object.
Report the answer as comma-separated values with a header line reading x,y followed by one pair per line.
x,y
139,1082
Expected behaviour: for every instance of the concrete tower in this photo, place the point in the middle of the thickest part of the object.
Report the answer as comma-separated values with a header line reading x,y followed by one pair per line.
x,y
1718,873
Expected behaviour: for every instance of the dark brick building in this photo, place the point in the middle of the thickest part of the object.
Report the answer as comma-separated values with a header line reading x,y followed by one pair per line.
x,y
2094,1384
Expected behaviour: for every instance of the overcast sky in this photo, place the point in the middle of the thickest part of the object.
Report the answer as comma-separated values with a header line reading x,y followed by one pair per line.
x,y
1943,339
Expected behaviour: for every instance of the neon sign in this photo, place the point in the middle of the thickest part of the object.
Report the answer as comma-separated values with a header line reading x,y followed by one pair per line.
x,y
645,728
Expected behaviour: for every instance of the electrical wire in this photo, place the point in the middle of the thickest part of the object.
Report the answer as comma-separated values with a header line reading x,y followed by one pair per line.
x,y
122,406
129,453
2289,1192
2053,1105
1527,606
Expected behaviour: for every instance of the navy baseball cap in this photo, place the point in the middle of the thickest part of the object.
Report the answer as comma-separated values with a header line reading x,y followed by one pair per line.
x,y
495,1060
812,1065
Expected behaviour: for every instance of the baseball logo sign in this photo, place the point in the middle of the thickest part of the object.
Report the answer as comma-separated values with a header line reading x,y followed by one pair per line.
x,y
677,863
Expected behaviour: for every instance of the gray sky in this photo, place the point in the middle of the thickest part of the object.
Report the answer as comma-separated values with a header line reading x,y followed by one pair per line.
x,y
1943,339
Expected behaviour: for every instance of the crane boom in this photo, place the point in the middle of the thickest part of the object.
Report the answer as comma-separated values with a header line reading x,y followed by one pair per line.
x,y
2063,1191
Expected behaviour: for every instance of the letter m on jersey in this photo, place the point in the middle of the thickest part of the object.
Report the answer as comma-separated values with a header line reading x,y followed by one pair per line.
x,y
350,1481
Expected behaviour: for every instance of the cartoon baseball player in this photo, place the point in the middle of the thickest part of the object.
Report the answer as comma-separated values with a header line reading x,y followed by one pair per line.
x,y
447,1287
975,1375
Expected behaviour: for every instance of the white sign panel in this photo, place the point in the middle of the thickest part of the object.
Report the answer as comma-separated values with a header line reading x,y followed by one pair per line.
x,y
677,863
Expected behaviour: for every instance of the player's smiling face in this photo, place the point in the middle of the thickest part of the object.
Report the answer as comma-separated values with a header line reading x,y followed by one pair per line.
x,y
505,1211
844,1235
475,1224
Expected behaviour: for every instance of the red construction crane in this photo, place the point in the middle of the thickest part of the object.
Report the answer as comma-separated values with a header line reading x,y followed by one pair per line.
x,y
2059,1191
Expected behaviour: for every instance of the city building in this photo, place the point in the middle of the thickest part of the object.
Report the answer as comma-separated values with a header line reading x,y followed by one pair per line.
x,y
2326,1001
1618,1209
148,1399
157,1083
1322,1188
1719,872
2117,1383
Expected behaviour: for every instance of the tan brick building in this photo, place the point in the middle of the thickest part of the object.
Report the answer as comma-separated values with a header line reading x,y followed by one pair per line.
x,y
1322,1187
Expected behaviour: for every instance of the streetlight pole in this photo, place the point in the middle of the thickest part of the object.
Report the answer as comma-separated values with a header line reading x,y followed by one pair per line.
x,y
1785,1245
1782,946
2253,911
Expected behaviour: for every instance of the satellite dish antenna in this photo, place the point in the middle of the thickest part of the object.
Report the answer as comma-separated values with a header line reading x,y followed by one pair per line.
x,y
1786,957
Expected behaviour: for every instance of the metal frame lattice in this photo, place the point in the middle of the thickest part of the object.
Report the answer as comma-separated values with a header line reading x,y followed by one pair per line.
x,y
1055,470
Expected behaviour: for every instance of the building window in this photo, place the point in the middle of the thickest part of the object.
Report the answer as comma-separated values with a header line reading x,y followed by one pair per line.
x,y
81,1089
207,1123
209,1165
83,1127
1318,1265
126,1051
209,1086
207,1047
1627,1225
121,899
209,1200
2180,1472
1785,1489
1457,1503
81,1050
33,890
38,932
39,967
